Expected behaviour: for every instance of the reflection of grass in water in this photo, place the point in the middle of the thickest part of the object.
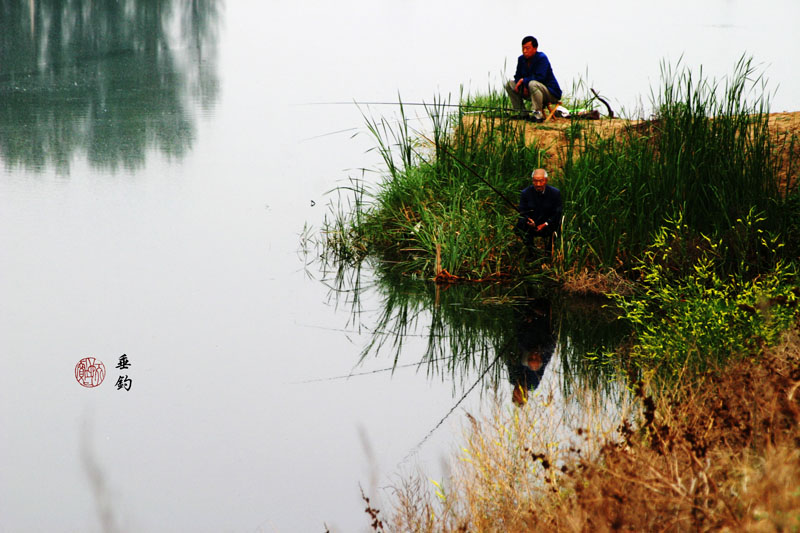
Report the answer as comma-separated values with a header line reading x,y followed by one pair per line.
x,y
468,327
589,330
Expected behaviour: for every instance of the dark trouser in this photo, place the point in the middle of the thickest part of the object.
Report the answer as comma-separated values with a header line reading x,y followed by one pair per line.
x,y
527,234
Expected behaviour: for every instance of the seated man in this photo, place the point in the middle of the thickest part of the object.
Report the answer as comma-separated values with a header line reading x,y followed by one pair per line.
x,y
534,78
539,209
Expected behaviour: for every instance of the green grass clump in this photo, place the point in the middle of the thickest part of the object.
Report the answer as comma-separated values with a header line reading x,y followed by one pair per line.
x,y
707,157
435,196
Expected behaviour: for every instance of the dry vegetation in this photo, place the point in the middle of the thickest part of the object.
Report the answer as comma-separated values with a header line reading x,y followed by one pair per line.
x,y
721,454
592,283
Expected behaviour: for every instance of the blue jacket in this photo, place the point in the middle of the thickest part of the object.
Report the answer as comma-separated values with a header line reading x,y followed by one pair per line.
x,y
538,69
541,207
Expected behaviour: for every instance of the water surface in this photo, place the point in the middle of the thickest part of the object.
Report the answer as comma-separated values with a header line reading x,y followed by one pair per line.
x,y
156,179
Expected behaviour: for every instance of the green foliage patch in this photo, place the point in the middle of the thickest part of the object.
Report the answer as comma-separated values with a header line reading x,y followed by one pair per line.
x,y
688,315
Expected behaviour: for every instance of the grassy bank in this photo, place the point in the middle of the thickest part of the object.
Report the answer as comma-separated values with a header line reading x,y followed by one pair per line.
x,y
434,195
707,158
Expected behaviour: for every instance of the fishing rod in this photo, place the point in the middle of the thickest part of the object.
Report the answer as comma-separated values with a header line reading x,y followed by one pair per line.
x,y
460,106
452,409
346,130
426,105
471,170
371,372
423,104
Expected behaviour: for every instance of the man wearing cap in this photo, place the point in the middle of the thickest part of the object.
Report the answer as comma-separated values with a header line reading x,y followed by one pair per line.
x,y
539,209
533,79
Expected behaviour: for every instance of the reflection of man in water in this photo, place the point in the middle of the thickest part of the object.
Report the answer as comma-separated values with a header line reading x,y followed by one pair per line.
x,y
535,346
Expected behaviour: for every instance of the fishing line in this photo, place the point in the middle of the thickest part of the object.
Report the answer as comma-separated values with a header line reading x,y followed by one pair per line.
x,y
328,134
376,332
423,104
447,415
317,380
470,169
452,409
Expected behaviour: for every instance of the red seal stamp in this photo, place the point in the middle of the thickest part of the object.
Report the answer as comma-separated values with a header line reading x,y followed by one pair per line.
x,y
90,372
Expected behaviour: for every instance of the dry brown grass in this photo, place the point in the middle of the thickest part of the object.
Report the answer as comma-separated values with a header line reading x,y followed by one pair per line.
x,y
785,128
720,455
592,283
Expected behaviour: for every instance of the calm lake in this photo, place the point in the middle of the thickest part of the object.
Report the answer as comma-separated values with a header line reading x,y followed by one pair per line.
x,y
163,166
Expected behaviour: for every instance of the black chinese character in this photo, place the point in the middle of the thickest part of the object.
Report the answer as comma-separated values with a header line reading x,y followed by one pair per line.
x,y
123,362
124,383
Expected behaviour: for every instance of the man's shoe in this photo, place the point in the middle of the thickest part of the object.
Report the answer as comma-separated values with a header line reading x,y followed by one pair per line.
x,y
536,116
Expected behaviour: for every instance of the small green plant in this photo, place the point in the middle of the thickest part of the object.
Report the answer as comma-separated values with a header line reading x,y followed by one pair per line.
x,y
689,315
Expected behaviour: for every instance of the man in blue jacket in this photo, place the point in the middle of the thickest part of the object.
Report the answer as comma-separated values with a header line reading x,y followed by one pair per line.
x,y
539,209
533,79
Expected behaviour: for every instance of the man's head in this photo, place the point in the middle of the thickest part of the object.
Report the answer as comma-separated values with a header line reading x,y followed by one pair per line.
x,y
529,46
533,360
539,178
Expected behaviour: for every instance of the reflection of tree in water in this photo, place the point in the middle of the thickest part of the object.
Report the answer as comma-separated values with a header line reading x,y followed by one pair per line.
x,y
109,78
497,333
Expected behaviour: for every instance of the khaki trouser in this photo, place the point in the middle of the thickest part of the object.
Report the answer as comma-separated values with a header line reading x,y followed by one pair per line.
x,y
540,96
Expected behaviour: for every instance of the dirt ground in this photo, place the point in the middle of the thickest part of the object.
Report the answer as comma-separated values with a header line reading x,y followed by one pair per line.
x,y
551,136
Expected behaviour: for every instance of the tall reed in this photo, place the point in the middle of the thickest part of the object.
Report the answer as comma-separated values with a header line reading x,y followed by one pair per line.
x,y
707,157
432,199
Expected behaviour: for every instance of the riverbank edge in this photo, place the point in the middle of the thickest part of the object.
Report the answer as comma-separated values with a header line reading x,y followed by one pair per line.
x,y
352,238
